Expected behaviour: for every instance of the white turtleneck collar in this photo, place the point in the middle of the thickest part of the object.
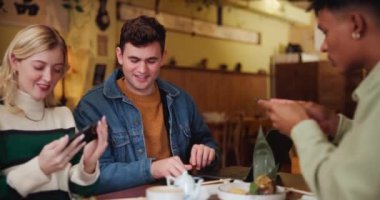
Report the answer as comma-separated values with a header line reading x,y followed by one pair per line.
x,y
34,109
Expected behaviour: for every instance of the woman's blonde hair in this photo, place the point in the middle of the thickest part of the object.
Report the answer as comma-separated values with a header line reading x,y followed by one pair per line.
x,y
28,42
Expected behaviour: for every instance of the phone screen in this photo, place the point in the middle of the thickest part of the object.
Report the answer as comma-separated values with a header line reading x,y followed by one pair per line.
x,y
89,134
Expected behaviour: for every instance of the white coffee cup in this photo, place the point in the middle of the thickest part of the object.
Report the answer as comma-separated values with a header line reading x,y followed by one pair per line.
x,y
164,192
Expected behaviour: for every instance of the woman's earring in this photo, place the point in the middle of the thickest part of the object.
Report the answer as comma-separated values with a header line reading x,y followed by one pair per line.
x,y
14,74
355,35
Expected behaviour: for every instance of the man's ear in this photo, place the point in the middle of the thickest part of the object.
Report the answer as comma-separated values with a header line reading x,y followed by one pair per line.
x,y
164,54
358,23
119,55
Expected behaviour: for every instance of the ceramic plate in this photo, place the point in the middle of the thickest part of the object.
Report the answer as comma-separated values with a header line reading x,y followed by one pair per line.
x,y
225,194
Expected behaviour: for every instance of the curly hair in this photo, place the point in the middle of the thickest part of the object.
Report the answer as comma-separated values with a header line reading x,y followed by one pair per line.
x,y
373,5
141,31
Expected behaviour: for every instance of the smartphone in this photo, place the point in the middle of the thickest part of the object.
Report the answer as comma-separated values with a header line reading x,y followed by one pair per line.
x,y
89,134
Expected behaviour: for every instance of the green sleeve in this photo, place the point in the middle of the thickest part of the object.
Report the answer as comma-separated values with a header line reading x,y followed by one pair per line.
x,y
83,190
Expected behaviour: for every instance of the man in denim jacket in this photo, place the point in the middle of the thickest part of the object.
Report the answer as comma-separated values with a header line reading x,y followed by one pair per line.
x,y
154,127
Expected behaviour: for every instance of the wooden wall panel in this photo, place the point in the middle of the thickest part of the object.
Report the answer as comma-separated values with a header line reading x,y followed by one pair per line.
x,y
331,87
297,81
219,91
319,82
335,89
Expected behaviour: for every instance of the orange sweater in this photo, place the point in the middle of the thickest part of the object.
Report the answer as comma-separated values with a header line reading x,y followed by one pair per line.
x,y
150,107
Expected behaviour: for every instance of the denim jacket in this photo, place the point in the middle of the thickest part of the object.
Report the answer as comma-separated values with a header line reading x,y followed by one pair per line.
x,y
125,163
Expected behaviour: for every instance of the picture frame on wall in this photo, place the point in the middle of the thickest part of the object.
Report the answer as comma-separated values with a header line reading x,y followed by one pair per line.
x,y
102,45
99,74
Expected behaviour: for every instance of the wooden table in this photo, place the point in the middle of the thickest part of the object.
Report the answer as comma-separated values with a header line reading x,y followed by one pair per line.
x,y
138,191
286,179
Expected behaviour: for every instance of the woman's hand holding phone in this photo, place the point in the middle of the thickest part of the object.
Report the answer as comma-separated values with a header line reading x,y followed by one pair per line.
x,y
95,148
55,155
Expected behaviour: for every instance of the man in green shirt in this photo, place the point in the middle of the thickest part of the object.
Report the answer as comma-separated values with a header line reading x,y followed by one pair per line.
x,y
348,167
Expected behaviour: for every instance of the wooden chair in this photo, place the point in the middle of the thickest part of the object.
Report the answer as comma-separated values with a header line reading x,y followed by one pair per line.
x,y
231,140
239,139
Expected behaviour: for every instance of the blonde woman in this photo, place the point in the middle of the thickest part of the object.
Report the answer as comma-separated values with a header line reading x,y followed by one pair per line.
x,y
36,161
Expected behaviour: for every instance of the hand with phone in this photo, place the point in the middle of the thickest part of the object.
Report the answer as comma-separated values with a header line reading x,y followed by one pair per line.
x,y
95,148
89,134
284,114
57,154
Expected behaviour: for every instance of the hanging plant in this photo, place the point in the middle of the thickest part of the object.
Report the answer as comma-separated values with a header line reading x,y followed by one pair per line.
x,y
73,4
203,3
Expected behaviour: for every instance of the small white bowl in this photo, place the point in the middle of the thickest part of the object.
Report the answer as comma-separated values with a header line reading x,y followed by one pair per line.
x,y
225,194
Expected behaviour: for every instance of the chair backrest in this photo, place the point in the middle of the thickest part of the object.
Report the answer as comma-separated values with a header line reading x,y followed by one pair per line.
x,y
232,139
236,133
266,124
251,127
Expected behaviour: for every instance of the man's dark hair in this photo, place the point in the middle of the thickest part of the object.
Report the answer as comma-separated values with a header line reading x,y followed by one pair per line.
x,y
141,31
318,5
